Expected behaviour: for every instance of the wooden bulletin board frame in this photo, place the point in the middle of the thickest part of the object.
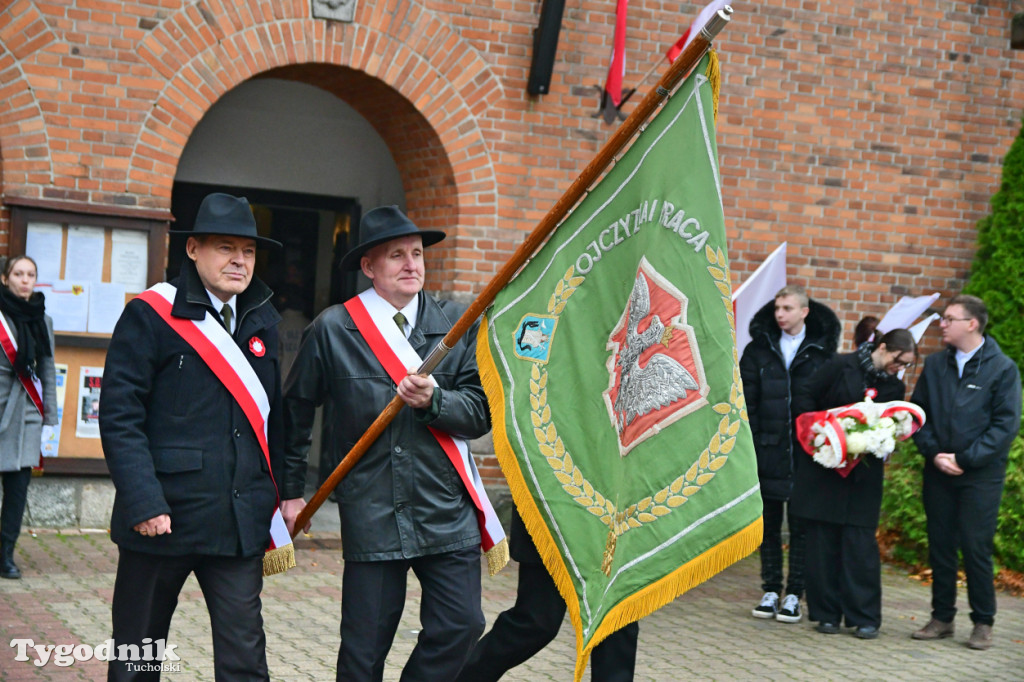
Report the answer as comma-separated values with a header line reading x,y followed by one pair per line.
x,y
77,349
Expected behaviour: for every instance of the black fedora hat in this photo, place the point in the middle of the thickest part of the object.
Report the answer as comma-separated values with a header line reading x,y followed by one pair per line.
x,y
227,215
383,224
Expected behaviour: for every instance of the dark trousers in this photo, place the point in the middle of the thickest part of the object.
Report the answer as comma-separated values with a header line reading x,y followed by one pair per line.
x,y
844,575
532,623
372,600
961,517
771,549
146,593
13,509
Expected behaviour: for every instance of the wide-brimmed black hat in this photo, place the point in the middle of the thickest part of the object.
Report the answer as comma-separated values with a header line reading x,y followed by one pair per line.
x,y
383,224
224,214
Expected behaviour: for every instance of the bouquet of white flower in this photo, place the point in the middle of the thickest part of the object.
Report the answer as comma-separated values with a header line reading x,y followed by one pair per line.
x,y
838,438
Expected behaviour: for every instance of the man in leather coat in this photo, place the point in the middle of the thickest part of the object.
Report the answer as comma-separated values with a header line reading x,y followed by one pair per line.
x,y
403,505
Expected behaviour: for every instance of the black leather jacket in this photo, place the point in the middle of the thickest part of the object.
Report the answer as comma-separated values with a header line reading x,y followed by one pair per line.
x,y
404,498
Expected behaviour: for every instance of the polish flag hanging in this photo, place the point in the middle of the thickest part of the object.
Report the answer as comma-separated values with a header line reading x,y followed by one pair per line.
x,y
617,69
698,23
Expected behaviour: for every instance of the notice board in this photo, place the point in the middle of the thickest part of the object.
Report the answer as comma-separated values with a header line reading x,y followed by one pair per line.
x,y
90,264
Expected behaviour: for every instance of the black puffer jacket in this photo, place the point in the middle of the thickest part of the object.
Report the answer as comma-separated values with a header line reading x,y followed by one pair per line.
x,y
769,388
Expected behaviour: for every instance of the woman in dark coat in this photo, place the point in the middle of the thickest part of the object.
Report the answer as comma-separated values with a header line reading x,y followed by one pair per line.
x,y
844,572
21,422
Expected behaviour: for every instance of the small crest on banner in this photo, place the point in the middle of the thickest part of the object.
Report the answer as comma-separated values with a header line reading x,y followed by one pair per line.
x,y
533,337
256,346
656,374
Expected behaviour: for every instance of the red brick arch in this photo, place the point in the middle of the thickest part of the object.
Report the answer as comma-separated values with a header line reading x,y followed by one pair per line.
x,y
23,141
415,80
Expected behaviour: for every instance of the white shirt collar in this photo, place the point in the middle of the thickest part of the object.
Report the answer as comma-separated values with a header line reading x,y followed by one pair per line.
x,y
218,305
963,357
410,311
789,344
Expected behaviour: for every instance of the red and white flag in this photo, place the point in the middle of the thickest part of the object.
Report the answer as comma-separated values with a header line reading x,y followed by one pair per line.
x,y
759,288
617,68
698,23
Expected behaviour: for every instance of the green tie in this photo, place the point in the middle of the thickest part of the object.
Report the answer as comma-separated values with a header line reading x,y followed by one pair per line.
x,y
400,321
225,314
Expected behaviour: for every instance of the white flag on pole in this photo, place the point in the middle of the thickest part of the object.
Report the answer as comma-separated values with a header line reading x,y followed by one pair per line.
x,y
903,314
759,288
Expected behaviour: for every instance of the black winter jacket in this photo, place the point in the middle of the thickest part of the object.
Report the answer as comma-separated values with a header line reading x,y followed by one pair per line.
x,y
175,440
976,417
404,498
769,387
822,494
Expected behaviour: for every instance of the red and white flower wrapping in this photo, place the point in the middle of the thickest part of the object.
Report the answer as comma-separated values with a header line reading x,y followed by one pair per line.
x,y
837,438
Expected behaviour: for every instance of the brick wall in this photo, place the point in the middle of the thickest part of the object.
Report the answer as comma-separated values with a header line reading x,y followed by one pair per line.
x,y
868,134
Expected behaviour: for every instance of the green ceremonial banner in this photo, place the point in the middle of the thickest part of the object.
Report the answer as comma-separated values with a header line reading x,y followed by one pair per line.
x,y
611,368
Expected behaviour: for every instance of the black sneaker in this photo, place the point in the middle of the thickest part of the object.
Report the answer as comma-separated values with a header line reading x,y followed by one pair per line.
x,y
789,612
768,607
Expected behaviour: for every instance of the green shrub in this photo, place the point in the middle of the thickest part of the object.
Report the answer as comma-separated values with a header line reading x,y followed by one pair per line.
x,y
999,262
903,511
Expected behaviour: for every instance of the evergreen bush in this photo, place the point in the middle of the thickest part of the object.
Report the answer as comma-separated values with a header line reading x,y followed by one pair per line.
x,y
998,266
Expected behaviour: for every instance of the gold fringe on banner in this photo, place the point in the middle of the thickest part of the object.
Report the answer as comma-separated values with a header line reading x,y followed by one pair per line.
x,y
638,605
714,75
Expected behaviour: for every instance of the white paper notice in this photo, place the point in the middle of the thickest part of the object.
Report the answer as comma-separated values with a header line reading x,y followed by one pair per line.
x,y
68,304
51,440
87,419
129,256
106,302
84,259
43,244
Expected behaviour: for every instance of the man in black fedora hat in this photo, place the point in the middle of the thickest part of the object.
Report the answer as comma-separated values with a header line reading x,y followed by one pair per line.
x,y
191,423
407,504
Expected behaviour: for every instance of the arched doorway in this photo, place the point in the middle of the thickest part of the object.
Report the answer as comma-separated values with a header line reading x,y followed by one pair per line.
x,y
312,147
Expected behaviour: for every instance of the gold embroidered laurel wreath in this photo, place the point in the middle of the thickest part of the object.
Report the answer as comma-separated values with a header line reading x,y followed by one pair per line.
x,y
675,494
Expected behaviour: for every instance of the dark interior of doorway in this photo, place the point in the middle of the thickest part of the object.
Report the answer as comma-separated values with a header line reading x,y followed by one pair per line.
x,y
292,218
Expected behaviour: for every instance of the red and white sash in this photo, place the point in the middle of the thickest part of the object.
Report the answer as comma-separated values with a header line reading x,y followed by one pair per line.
x,y
225,359
374,318
32,385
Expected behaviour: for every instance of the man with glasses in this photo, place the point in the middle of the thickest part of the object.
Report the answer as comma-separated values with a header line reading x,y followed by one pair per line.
x,y
971,393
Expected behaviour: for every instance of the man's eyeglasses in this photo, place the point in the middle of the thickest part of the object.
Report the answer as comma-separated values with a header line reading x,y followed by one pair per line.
x,y
949,319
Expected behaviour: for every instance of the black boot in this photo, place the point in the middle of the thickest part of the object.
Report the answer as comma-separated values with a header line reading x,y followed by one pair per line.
x,y
8,569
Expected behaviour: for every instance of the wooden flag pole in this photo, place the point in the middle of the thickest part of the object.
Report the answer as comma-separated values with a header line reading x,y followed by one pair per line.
x,y
676,72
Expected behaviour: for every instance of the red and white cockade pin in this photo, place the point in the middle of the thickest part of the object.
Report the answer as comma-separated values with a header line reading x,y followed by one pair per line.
x,y
257,347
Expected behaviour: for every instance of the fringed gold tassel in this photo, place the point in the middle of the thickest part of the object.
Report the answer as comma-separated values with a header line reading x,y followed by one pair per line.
x,y
646,601
651,598
497,557
490,379
279,560
714,75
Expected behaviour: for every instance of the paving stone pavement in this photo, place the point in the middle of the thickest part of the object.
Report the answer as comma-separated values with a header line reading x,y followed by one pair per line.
x,y
707,634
